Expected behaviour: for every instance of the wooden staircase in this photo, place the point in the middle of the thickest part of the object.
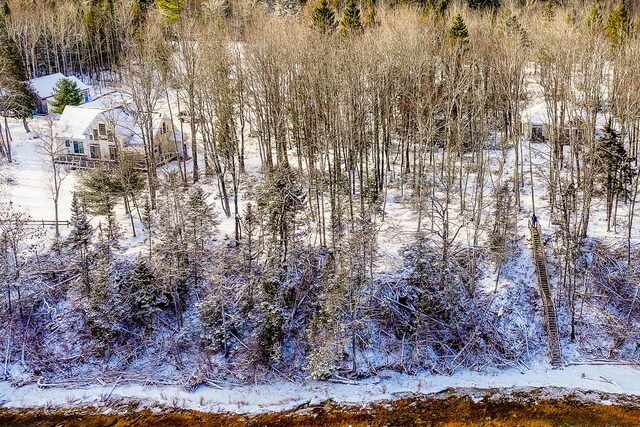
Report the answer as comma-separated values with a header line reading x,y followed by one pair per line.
x,y
548,303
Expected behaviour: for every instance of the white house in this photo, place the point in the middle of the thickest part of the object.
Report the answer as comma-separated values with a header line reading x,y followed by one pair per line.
x,y
89,136
44,87
536,124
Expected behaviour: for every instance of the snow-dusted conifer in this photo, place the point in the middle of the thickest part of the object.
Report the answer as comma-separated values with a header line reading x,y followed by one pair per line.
x,y
101,310
80,235
200,224
142,292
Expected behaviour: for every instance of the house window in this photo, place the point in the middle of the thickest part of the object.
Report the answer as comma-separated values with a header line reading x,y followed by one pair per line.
x,y
102,129
94,151
67,145
78,147
536,133
95,134
112,152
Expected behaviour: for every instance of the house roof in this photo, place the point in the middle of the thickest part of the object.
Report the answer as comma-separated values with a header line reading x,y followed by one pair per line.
x,y
75,121
536,114
107,101
44,86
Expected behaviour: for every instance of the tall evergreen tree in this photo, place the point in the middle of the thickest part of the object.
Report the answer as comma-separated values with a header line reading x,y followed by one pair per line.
x,y
619,24
80,236
101,310
172,9
595,18
515,29
323,17
18,99
458,31
351,19
66,92
280,200
142,293
371,15
613,167
200,223
9,51
81,229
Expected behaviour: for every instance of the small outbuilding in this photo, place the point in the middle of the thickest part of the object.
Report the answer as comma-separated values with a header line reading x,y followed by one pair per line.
x,y
44,87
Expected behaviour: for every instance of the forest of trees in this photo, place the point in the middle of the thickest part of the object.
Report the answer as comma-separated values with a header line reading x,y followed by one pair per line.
x,y
305,121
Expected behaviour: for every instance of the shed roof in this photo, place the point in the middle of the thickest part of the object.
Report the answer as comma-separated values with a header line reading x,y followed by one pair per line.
x,y
44,86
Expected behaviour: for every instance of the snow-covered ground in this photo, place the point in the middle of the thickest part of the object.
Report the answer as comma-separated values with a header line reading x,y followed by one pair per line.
x,y
610,379
30,192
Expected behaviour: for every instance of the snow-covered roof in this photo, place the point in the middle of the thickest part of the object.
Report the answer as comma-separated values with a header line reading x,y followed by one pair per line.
x,y
75,121
125,124
44,86
536,114
107,101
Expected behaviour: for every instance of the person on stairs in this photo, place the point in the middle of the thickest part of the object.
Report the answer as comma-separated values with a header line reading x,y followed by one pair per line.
x,y
534,220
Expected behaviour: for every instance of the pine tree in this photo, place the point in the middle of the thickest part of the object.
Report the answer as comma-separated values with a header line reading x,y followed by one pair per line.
x,y
171,260
514,29
280,200
101,311
100,188
458,31
66,92
200,224
113,226
250,228
619,24
371,15
595,18
142,293
19,99
613,167
323,17
80,236
81,229
10,53
351,19
172,9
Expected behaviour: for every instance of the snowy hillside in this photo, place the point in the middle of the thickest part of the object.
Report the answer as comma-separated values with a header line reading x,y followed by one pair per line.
x,y
254,213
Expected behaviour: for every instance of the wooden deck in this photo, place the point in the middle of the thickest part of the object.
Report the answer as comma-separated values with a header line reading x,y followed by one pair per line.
x,y
83,162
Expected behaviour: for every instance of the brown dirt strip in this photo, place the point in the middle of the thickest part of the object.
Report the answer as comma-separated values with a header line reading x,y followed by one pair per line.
x,y
451,411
